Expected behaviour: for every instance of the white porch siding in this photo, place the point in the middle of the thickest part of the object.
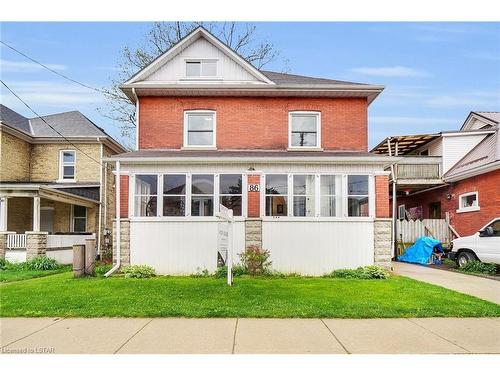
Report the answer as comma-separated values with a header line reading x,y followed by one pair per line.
x,y
318,247
179,247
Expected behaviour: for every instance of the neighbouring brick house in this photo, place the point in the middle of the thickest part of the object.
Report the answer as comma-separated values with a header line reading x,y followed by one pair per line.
x,y
52,187
287,153
453,176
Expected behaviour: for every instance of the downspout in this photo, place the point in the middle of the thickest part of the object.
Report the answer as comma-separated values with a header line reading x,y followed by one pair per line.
x,y
393,223
99,230
118,234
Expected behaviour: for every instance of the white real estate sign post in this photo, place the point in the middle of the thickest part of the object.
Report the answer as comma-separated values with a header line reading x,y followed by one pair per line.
x,y
225,239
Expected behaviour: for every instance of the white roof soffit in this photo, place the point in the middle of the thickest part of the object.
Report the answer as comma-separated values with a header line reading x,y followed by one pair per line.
x,y
199,32
381,160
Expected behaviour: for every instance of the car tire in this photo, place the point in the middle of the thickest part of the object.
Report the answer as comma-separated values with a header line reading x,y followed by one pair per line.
x,y
464,257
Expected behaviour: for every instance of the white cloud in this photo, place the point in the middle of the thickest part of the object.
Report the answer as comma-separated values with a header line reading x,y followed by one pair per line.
x,y
47,93
390,71
26,67
404,120
489,99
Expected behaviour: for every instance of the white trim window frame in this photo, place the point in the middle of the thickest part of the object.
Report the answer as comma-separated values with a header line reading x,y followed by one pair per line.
x,y
67,164
148,196
304,132
182,196
223,196
462,198
73,217
187,131
303,195
358,196
282,208
203,65
204,197
330,195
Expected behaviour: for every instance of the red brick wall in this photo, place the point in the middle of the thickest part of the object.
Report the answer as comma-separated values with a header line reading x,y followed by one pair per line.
x,y
253,122
382,196
254,197
466,223
124,196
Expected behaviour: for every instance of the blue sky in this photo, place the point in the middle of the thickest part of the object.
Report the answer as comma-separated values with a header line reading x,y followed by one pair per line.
x,y
434,73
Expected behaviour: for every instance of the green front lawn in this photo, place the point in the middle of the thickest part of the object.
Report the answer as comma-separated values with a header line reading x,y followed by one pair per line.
x,y
62,295
17,274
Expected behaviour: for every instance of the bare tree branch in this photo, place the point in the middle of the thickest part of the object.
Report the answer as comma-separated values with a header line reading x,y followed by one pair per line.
x,y
162,36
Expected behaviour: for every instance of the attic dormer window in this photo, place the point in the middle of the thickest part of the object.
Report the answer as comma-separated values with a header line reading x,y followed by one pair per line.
x,y
201,68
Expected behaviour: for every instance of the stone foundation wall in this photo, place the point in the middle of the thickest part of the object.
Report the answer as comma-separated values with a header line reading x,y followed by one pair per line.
x,y
253,232
3,243
382,242
124,243
36,244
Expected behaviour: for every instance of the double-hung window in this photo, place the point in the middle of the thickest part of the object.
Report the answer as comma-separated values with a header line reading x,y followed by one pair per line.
x,y
330,187
146,194
67,165
202,195
79,219
276,195
174,195
304,130
230,192
357,195
199,128
304,195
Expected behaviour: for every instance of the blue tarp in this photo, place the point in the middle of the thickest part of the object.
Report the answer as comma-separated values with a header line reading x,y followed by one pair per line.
x,y
421,251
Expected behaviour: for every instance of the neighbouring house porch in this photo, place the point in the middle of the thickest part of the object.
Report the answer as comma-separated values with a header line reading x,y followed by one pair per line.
x,y
37,219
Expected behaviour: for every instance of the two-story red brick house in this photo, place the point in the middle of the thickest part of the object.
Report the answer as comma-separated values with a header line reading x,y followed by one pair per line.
x,y
287,153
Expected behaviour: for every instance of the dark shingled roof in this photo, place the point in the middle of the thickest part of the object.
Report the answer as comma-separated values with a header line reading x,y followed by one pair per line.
x,y
14,119
69,124
294,79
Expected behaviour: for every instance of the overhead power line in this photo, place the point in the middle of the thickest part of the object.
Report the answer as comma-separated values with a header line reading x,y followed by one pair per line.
x,y
50,126
52,70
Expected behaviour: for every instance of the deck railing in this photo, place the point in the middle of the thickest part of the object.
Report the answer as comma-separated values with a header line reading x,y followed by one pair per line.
x,y
16,241
419,168
61,241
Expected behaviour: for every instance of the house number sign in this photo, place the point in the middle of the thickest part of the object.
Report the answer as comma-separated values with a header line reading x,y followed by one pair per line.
x,y
254,187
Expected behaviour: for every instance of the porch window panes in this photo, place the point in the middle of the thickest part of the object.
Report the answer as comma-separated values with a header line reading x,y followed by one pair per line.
x,y
304,130
303,195
357,196
200,129
146,195
328,199
230,190
79,219
67,165
174,195
202,195
276,195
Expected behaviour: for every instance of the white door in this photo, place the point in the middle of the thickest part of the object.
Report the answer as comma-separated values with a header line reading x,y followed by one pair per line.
x,y
47,219
488,246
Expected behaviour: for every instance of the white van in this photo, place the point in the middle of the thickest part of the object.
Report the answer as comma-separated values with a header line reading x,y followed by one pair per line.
x,y
483,245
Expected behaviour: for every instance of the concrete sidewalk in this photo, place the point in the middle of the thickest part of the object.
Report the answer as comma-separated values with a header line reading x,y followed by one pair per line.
x,y
240,336
480,287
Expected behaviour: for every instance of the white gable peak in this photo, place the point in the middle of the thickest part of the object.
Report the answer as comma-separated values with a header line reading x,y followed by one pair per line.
x,y
202,59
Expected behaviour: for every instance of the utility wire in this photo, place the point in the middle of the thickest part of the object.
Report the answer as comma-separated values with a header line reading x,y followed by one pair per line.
x,y
50,126
52,70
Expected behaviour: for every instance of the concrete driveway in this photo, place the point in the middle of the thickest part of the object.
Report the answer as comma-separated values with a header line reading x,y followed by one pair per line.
x,y
480,287
243,336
